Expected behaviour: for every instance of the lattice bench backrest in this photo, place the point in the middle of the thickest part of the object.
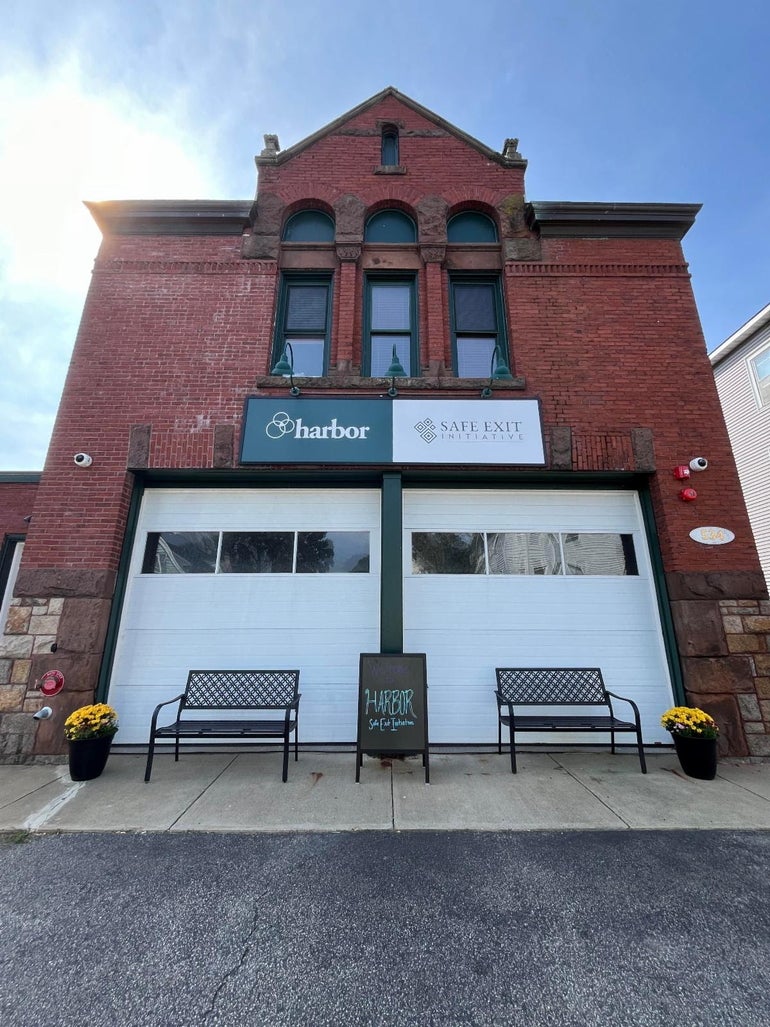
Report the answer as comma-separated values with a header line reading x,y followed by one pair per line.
x,y
241,689
557,686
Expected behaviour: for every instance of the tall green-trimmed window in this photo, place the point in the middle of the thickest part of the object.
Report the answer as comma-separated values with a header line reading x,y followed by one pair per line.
x,y
390,320
303,320
478,324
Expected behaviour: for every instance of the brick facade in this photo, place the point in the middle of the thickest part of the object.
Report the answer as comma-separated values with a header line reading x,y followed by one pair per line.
x,y
602,328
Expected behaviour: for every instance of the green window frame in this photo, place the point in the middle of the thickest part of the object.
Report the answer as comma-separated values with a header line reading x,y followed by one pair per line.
x,y
389,146
469,226
390,226
477,322
303,320
390,319
309,226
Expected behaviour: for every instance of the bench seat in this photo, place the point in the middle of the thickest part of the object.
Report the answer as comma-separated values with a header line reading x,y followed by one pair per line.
x,y
554,687
252,691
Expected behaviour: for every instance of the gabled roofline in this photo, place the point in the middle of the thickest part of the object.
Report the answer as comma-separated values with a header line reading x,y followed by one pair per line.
x,y
275,157
744,333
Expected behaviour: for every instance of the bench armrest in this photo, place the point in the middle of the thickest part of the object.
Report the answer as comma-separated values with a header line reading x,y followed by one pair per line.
x,y
630,702
159,707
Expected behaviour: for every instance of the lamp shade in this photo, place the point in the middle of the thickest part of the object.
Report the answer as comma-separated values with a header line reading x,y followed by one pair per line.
x,y
396,369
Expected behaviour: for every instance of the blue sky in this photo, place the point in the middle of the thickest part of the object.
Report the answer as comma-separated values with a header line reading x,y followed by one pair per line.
x,y
612,101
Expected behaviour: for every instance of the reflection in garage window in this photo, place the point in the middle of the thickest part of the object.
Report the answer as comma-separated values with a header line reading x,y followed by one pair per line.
x,y
180,552
447,552
257,552
599,553
519,552
332,552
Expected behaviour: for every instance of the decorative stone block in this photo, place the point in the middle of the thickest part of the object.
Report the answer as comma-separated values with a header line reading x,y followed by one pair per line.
x,y
758,624
11,698
753,727
40,611
43,625
55,606
732,625
762,665
20,672
18,620
763,687
43,643
15,646
759,745
726,674
745,644
699,628
749,707
81,671
5,671
83,625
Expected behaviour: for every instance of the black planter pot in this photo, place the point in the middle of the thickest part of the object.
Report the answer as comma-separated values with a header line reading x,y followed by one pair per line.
x,y
697,756
88,757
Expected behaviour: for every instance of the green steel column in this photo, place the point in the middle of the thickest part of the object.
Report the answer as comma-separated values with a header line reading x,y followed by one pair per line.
x,y
391,573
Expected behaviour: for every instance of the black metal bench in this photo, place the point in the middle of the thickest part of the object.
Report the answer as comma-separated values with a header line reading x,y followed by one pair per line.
x,y
553,687
255,690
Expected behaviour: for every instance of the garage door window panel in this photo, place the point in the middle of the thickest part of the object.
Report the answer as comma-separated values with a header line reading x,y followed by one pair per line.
x,y
599,554
445,552
333,552
181,552
515,552
257,552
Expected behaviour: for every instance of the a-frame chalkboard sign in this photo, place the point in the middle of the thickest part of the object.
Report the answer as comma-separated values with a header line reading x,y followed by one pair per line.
x,y
392,706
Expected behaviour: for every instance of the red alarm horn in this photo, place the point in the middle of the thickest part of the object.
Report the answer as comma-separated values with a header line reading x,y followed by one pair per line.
x,y
52,682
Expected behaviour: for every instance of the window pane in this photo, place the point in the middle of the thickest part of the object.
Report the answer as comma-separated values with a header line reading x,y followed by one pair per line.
x,y
474,357
390,307
599,553
309,226
306,308
475,308
761,364
389,147
257,552
471,227
382,353
444,552
181,552
308,357
390,226
531,552
333,552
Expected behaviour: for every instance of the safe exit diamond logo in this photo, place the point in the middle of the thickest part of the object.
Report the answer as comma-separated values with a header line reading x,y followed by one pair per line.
x,y
426,429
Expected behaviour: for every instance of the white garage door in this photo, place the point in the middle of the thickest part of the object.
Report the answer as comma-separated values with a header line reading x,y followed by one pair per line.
x,y
529,578
242,578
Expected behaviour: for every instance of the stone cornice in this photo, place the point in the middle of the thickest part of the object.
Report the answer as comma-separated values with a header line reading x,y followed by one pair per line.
x,y
378,385
171,217
559,219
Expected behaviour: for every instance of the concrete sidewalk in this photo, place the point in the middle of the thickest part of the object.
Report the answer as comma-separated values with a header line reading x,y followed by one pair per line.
x,y
227,791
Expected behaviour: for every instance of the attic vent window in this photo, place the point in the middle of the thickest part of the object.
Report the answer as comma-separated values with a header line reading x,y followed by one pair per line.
x,y
389,147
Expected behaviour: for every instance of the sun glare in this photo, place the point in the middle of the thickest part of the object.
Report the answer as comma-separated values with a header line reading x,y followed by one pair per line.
x,y
60,146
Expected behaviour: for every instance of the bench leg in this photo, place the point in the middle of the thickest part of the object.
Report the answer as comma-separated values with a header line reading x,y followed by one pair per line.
x,y
285,757
612,741
150,754
176,748
640,748
499,736
296,740
513,749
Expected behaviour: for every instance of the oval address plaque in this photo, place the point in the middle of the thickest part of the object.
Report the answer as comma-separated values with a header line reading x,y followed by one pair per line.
x,y
711,536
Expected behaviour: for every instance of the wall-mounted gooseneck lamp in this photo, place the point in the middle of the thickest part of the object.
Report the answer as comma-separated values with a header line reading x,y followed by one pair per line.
x,y
285,368
498,372
396,370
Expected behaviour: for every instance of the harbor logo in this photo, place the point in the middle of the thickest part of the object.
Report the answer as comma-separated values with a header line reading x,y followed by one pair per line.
x,y
282,425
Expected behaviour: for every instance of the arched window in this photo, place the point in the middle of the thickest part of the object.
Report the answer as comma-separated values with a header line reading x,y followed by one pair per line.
x,y
389,146
309,226
390,226
470,226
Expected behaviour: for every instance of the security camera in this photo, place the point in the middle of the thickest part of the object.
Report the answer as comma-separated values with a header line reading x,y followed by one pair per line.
x,y
43,713
699,463
82,459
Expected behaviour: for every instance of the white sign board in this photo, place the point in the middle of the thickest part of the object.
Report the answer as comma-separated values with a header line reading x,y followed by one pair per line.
x,y
711,536
482,431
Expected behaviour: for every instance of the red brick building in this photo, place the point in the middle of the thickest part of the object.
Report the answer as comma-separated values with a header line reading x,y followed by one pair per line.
x,y
391,405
